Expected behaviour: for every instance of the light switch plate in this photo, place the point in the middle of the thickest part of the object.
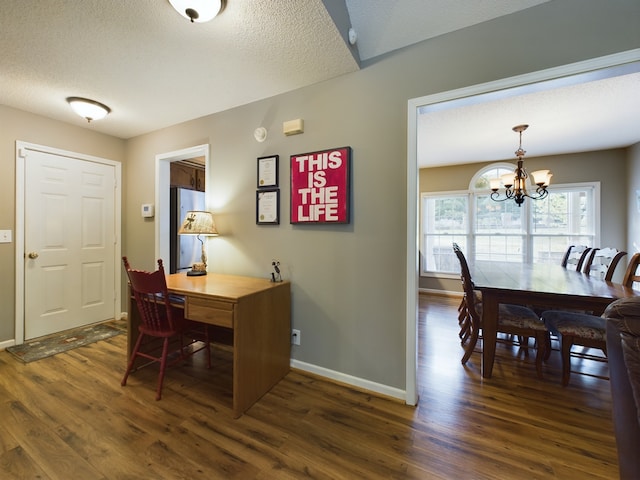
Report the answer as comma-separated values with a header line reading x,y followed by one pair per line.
x,y
5,236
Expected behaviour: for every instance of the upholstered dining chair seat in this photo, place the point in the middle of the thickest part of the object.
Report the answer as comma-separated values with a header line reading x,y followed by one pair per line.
x,y
574,328
516,316
519,316
575,324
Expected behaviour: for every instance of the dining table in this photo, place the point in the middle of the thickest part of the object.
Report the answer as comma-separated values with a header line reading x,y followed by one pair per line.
x,y
544,286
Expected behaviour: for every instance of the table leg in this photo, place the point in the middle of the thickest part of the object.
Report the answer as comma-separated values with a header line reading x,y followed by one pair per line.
x,y
489,332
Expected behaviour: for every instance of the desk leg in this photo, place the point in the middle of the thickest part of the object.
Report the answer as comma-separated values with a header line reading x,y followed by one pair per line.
x,y
489,332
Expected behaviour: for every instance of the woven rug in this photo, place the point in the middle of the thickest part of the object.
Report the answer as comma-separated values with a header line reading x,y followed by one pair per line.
x,y
62,342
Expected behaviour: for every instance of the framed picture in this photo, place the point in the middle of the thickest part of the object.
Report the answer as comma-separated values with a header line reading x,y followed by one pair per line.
x,y
268,171
268,207
320,186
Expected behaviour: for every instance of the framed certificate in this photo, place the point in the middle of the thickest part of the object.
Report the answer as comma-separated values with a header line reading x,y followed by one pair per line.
x,y
268,172
268,207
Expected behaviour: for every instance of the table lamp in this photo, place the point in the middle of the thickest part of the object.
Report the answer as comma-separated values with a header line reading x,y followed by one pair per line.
x,y
198,223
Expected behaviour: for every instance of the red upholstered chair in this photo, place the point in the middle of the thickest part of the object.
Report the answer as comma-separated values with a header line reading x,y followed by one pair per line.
x,y
160,319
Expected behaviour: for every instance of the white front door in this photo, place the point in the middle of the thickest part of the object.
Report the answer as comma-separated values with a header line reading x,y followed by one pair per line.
x,y
69,243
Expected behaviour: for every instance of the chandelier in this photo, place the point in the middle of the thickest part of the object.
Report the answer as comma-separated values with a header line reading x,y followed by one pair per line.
x,y
515,184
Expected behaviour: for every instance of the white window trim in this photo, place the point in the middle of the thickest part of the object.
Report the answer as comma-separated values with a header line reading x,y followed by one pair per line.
x,y
423,195
471,214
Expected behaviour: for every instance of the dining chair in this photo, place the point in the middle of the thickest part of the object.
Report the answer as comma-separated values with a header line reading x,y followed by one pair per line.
x,y
578,328
160,318
512,319
575,256
632,274
602,263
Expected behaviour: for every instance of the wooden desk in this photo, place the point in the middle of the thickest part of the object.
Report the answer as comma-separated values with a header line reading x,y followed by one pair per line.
x,y
540,285
257,311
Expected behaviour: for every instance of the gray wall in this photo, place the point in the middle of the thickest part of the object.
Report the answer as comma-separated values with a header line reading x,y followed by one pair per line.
x,y
348,282
609,167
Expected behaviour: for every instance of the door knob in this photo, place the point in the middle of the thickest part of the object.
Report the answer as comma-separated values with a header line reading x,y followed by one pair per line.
x,y
33,255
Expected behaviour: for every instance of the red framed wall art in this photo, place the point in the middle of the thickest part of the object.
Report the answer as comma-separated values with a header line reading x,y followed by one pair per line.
x,y
320,186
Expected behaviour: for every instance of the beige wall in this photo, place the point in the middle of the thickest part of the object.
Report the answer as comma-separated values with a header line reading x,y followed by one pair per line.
x,y
348,281
609,167
17,125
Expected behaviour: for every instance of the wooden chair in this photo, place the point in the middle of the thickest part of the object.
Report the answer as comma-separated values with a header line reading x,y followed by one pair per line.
x,y
603,262
575,257
512,319
632,274
576,328
160,319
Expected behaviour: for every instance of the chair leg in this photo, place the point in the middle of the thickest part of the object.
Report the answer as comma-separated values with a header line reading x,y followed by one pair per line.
x,y
163,366
132,359
465,327
547,346
566,344
524,343
471,344
541,345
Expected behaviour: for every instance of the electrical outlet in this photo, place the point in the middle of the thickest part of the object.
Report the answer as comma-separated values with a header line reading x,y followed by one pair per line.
x,y
295,337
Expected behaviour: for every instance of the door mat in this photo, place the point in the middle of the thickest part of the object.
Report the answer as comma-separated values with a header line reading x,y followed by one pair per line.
x,y
64,341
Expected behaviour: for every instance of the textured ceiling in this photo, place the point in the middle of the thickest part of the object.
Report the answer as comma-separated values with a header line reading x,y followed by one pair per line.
x,y
583,114
155,69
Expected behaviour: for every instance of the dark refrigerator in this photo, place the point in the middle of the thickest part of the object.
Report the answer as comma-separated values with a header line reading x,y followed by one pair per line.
x,y
185,249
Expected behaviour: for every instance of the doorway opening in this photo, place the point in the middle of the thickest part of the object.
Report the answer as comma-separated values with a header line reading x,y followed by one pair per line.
x,y
579,72
163,196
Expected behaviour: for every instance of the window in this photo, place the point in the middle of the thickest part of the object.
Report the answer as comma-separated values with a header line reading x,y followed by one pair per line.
x,y
539,231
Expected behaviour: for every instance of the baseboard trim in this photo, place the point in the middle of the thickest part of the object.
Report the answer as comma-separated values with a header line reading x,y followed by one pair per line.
x,y
6,344
441,293
357,382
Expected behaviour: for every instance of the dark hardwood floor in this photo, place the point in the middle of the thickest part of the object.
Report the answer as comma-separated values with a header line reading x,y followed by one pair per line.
x,y
67,417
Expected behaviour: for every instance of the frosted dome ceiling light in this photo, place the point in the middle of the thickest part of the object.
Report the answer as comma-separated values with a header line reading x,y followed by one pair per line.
x,y
198,10
89,109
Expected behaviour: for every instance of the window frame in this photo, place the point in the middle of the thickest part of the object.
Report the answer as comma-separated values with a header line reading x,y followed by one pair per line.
x,y
422,240
529,235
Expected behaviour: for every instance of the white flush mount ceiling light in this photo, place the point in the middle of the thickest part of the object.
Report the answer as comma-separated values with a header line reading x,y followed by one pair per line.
x,y
198,10
89,109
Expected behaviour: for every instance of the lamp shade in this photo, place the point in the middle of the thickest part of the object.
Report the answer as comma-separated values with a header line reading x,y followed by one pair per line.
x,y
198,10
197,222
89,109
541,177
